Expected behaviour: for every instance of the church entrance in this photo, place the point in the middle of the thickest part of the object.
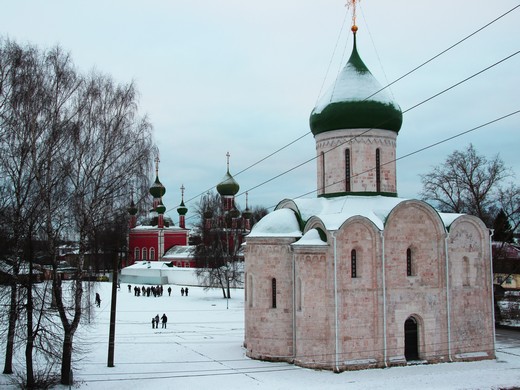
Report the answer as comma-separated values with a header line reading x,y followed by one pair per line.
x,y
411,339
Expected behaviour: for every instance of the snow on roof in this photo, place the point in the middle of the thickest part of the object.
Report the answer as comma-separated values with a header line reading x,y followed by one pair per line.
x,y
179,252
351,85
312,237
154,227
333,212
150,265
279,223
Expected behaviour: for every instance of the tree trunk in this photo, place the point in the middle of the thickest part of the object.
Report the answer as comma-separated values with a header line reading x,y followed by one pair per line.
x,y
9,347
30,334
66,359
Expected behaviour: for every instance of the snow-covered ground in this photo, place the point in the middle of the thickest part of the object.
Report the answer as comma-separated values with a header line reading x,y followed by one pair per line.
x,y
202,348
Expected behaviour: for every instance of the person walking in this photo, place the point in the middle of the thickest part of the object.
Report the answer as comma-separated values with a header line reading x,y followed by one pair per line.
x,y
157,321
169,291
182,291
153,322
164,320
98,300
186,291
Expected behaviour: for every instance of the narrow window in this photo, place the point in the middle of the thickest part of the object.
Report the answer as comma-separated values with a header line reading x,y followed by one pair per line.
x,y
298,294
152,253
353,263
347,170
144,254
322,172
409,271
465,270
378,171
273,283
136,254
250,291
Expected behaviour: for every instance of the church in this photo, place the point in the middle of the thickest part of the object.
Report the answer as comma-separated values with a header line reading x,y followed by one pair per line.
x,y
358,277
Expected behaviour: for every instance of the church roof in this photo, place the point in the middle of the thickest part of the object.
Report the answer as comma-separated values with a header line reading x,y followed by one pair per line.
x,y
356,101
333,212
228,186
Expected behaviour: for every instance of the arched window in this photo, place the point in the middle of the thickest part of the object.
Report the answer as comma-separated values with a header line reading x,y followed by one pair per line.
x,y
250,290
144,253
322,172
378,170
152,253
273,292
299,294
353,263
409,265
465,271
347,170
136,254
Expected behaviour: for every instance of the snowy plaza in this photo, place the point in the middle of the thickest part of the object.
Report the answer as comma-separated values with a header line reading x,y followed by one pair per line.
x,y
202,347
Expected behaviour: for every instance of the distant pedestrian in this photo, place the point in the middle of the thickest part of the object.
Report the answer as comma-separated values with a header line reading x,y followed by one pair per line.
x,y
129,288
98,300
153,322
169,291
182,291
164,320
157,321
186,291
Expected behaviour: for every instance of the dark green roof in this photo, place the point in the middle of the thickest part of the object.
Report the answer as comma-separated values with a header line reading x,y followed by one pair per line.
x,y
349,104
228,186
157,190
182,209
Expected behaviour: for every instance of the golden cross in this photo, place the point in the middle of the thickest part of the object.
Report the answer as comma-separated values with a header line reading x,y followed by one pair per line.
x,y
352,4
157,165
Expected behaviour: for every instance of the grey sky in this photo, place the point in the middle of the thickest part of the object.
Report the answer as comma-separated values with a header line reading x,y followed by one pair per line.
x,y
243,76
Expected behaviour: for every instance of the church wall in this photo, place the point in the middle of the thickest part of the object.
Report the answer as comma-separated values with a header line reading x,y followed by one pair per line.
x,y
315,307
268,330
470,290
415,226
362,160
360,297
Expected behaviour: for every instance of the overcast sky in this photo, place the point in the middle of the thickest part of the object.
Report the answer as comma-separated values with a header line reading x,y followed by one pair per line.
x,y
243,76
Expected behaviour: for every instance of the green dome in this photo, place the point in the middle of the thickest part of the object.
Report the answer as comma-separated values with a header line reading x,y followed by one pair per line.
x,y
157,190
228,186
161,209
349,104
182,209
132,210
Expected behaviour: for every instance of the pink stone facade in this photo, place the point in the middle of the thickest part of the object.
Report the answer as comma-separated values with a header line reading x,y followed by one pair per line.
x,y
362,145
327,318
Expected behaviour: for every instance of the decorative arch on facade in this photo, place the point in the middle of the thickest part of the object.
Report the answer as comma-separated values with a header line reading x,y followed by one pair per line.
x,y
137,253
429,211
144,254
152,253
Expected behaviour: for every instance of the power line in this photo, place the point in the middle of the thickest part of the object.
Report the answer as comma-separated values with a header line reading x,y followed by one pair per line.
x,y
388,85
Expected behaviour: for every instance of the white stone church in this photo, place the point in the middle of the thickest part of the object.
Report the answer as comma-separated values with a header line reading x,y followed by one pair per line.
x,y
358,277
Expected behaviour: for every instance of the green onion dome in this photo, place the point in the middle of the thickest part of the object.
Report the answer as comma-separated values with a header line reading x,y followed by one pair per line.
x,y
157,190
356,101
247,214
161,209
228,186
234,213
132,210
182,209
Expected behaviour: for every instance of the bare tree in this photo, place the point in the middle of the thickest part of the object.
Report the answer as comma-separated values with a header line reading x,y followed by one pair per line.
x,y
218,252
71,148
466,182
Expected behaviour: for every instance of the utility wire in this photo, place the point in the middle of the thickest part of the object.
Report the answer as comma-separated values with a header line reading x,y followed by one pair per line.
x,y
368,97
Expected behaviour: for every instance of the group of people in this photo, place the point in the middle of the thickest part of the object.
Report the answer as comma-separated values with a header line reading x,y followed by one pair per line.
x,y
156,291
155,321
